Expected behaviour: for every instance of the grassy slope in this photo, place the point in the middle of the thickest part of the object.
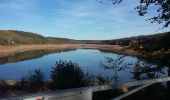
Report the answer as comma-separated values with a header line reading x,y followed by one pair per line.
x,y
8,37
158,43
140,39
156,48
152,47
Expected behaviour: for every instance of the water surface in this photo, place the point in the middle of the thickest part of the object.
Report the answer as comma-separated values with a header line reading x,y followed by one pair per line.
x,y
16,66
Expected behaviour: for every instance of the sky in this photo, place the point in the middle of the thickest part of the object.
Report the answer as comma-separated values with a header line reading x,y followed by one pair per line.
x,y
77,19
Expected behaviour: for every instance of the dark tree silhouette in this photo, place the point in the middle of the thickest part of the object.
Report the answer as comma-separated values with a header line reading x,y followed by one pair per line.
x,y
33,81
67,75
116,65
163,11
143,70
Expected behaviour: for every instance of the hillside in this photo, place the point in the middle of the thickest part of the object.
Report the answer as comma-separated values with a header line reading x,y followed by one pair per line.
x,y
137,39
152,47
148,42
13,37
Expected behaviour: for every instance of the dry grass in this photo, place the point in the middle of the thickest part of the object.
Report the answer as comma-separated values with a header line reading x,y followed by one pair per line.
x,y
115,48
9,50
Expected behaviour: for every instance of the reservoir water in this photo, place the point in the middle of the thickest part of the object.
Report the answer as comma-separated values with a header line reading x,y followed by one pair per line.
x,y
90,60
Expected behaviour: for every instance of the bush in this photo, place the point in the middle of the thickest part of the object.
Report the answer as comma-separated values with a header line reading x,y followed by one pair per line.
x,y
67,75
33,81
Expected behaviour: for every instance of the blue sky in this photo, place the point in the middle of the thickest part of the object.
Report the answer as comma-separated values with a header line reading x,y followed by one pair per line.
x,y
76,19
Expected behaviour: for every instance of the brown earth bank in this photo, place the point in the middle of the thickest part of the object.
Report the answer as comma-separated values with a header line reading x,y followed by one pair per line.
x,y
114,48
15,49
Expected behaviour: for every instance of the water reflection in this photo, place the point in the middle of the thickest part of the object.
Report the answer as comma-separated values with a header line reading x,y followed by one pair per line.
x,y
31,55
122,68
143,70
116,65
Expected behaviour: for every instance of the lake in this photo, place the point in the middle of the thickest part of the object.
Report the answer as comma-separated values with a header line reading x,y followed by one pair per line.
x,y
90,60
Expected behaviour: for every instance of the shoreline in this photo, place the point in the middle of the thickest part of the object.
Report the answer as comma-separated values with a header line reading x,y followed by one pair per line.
x,y
10,50
116,49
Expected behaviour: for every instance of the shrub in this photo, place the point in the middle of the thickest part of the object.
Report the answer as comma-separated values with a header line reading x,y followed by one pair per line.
x,y
33,81
67,75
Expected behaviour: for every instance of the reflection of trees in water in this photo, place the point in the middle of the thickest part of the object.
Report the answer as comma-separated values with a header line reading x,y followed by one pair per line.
x,y
144,70
116,65
31,55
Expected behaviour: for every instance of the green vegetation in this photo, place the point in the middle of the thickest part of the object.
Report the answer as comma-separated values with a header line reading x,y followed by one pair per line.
x,y
64,75
11,37
163,38
34,81
153,42
116,65
152,47
143,70
67,75
155,47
